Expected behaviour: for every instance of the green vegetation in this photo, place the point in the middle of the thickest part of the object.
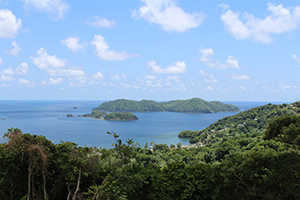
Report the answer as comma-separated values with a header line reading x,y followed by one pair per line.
x,y
95,114
194,105
253,121
123,116
261,164
113,116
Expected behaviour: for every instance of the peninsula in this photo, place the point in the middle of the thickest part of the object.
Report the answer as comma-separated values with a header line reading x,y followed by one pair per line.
x,y
113,116
195,105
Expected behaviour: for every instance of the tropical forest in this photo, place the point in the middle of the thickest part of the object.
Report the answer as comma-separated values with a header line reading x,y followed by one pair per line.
x,y
251,155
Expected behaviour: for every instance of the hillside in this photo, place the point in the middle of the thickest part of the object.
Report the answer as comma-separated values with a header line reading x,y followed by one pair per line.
x,y
252,122
123,116
95,114
195,105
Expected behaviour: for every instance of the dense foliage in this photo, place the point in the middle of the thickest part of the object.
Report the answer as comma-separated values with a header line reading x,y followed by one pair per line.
x,y
241,167
194,105
252,121
120,116
244,166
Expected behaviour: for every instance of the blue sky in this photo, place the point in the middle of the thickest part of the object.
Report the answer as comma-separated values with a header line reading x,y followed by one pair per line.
x,y
150,49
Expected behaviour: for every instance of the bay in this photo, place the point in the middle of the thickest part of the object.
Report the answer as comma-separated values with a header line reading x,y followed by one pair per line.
x,y
48,118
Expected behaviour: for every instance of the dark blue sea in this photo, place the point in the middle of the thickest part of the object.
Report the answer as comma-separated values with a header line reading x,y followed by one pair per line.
x,y
48,118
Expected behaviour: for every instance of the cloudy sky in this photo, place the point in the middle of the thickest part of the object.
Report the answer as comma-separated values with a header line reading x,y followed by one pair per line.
x,y
150,49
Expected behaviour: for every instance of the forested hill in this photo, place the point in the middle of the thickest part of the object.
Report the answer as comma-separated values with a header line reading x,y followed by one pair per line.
x,y
251,122
195,105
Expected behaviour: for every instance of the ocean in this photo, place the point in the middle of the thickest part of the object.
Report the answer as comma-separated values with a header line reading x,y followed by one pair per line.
x,y
48,118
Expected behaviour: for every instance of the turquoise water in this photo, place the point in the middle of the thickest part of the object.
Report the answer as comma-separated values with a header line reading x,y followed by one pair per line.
x,y
48,118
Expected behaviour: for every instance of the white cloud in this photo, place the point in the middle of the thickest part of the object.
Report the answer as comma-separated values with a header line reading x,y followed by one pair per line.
x,y
118,77
9,24
240,77
207,56
22,69
52,81
97,76
279,21
45,61
1,61
56,9
6,78
101,22
209,77
168,15
285,87
173,78
66,72
150,77
73,44
26,82
209,88
15,50
125,85
295,57
5,85
242,87
114,76
8,71
104,53
176,68
54,66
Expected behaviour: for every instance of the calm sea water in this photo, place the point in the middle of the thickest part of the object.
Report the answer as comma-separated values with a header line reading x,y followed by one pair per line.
x,y
48,118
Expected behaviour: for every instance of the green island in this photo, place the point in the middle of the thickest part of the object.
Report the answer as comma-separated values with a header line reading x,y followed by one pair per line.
x,y
252,155
113,116
195,105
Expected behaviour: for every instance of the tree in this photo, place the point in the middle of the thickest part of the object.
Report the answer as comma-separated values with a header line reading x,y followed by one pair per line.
x,y
285,129
33,151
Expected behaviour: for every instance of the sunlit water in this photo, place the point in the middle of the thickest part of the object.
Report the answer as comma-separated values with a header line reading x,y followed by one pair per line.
x,y
48,118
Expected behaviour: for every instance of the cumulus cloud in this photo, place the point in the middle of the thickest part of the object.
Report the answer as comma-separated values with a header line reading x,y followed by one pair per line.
x,y
6,78
9,24
168,15
151,77
73,44
45,61
207,59
52,81
22,69
56,9
279,21
1,61
26,82
104,53
206,54
209,88
240,77
209,78
101,22
15,50
176,68
295,57
54,66
97,76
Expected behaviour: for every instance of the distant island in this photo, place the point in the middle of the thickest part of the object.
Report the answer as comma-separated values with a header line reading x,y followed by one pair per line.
x,y
113,116
194,105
